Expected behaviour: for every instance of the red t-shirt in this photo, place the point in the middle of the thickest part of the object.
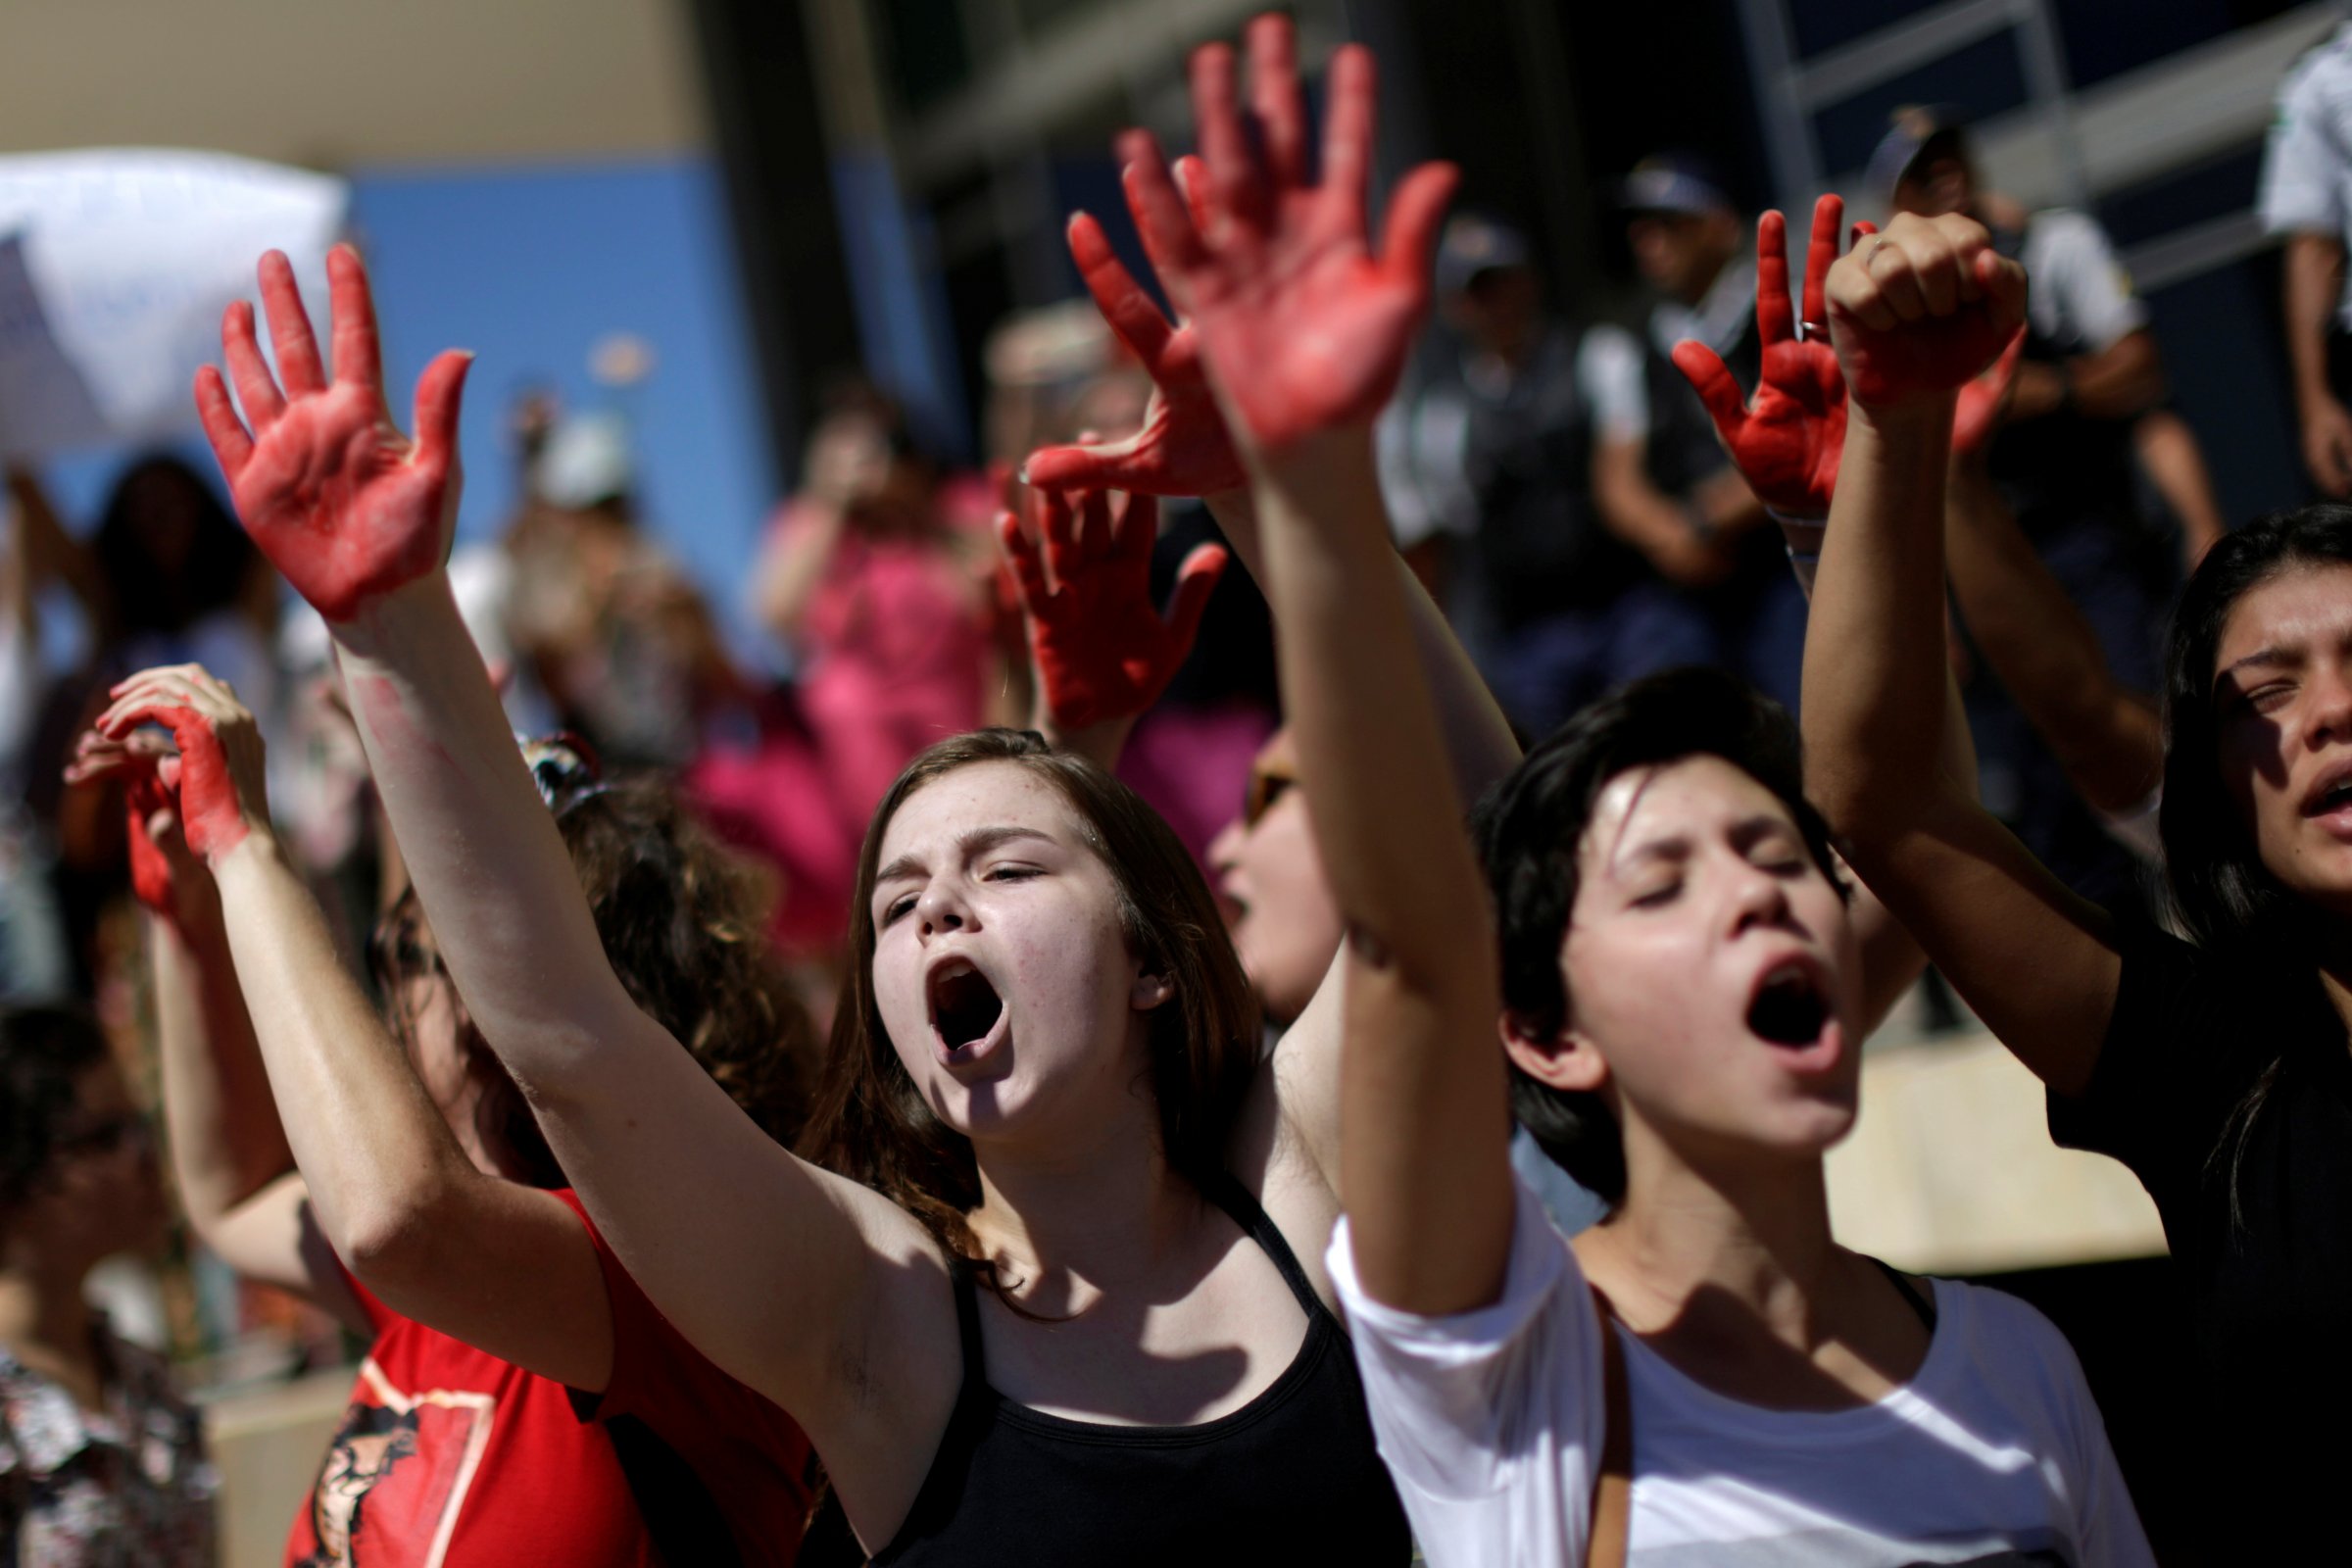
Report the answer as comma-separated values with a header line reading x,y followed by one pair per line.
x,y
751,1458
449,1457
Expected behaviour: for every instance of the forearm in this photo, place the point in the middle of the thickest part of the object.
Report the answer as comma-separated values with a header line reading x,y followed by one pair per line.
x,y
1478,741
2315,267
2045,653
481,849
2169,452
226,1143
2121,381
1874,655
795,566
1642,514
372,1151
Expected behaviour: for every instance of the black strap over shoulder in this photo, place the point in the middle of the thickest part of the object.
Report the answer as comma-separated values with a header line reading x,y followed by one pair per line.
x,y
968,1321
1244,1210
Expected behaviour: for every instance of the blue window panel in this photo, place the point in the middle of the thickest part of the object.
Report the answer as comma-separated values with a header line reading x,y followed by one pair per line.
x,y
1816,25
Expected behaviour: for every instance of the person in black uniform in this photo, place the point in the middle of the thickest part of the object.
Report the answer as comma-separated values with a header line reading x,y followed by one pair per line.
x,y
1517,452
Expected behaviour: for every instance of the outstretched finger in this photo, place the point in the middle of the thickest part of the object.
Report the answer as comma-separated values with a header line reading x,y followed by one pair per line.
x,y
1821,254
1716,387
351,304
1121,300
1195,581
1056,526
1086,465
1224,148
1775,321
1348,134
1098,536
1175,247
299,369
439,391
1199,202
1275,100
1134,526
1416,210
248,371
231,446
1020,553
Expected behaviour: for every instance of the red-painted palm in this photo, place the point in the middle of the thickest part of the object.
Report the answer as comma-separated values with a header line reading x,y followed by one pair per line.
x,y
347,507
1302,327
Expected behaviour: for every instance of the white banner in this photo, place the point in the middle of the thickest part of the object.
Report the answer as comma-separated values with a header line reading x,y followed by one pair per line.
x,y
114,267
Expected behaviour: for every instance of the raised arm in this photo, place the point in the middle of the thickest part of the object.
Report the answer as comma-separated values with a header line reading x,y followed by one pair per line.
x,y
229,1156
1787,442
1183,447
501,1265
1100,651
359,517
1305,333
1915,315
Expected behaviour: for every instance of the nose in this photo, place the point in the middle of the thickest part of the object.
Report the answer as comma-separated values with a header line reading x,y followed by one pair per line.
x,y
940,909
1760,899
2331,708
1225,849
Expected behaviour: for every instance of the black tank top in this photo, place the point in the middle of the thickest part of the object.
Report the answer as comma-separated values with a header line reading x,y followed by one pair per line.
x,y
1290,1477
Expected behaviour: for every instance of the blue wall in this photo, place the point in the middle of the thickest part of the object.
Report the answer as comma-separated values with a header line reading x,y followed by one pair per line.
x,y
529,267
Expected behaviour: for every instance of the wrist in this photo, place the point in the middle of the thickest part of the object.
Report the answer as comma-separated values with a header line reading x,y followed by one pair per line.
x,y
1911,419
418,611
256,850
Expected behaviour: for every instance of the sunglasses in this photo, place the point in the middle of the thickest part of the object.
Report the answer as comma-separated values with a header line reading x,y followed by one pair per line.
x,y
1267,786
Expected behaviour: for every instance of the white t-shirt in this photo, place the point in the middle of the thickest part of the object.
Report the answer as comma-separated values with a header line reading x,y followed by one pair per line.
x,y
2081,297
1490,1421
2307,164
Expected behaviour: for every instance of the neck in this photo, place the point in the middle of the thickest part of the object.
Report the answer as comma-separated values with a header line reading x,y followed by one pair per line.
x,y
1757,1237
1066,1217
42,1312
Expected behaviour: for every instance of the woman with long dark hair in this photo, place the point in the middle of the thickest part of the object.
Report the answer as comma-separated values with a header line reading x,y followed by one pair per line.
x,y
2213,1066
1074,1310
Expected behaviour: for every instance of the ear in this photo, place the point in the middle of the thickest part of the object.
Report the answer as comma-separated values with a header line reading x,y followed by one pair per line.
x,y
1149,991
1567,1062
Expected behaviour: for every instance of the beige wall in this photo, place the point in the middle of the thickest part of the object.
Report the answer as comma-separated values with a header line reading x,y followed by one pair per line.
x,y
334,82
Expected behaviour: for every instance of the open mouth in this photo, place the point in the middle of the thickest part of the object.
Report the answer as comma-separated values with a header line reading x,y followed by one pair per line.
x,y
2332,799
1790,1007
965,1006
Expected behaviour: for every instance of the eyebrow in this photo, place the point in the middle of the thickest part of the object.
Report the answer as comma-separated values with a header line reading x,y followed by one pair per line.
x,y
1743,834
979,841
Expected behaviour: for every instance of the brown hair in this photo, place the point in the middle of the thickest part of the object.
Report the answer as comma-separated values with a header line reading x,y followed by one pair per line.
x,y
871,1121
680,921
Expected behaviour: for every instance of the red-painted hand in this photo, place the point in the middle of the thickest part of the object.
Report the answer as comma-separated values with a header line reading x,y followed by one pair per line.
x,y
1922,309
347,507
1102,650
165,875
1985,401
1786,440
1183,447
1303,328
219,786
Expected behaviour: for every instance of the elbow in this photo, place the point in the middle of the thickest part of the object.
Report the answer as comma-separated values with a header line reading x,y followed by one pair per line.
x,y
394,1236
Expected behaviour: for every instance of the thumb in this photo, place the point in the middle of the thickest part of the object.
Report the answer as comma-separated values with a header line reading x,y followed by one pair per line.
x,y
1106,465
1416,207
1716,387
1196,580
439,391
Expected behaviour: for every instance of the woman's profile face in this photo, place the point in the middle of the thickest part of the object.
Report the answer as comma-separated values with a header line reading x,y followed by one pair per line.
x,y
1710,964
1000,968
2282,721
